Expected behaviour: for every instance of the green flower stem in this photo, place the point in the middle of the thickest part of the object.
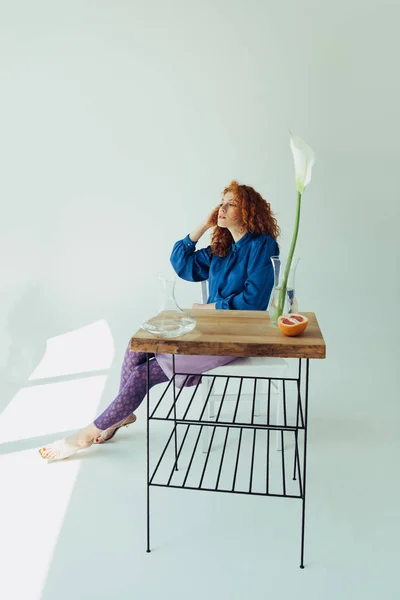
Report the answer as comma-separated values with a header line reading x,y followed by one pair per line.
x,y
282,291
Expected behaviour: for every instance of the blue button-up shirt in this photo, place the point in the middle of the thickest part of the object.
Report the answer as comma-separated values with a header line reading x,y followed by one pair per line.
x,y
241,280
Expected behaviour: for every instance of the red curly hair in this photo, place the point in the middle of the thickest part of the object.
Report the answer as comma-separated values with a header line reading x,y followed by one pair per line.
x,y
256,214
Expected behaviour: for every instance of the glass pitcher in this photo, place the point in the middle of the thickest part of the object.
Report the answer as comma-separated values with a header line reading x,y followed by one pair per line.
x,y
171,321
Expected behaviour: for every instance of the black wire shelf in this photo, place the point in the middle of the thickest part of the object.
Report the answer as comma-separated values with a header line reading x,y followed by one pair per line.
x,y
232,410
231,460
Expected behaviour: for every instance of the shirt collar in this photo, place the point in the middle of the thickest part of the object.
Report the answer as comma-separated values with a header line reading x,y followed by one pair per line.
x,y
242,242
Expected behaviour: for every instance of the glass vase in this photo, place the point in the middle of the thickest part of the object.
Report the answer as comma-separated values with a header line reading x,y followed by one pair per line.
x,y
290,303
171,321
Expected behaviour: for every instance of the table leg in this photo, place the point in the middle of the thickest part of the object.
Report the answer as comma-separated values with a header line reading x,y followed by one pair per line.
x,y
174,398
296,465
304,464
148,452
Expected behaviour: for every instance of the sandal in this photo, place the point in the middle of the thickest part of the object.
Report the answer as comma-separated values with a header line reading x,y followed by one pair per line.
x,y
95,441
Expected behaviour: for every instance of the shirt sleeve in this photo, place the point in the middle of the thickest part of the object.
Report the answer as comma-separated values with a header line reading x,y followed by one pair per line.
x,y
259,280
188,263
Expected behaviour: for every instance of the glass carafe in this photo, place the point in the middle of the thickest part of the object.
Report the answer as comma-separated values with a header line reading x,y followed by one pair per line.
x,y
290,304
171,321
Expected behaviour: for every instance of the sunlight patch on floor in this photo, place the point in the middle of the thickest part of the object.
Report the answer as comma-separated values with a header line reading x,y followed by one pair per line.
x,y
35,496
59,406
51,408
87,349
35,493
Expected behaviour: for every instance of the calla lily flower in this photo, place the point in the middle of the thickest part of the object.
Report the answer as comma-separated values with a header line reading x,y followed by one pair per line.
x,y
304,159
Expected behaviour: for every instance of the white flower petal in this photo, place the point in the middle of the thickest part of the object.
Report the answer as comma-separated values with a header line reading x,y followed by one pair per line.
x,y
304,159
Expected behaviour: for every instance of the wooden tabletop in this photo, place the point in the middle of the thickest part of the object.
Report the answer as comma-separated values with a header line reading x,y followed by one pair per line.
x,y
236,333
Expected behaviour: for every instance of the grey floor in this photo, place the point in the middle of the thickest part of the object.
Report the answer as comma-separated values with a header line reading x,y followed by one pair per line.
x,y
77,529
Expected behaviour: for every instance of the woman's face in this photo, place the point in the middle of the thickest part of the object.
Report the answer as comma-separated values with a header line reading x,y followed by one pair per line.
x,y
229,213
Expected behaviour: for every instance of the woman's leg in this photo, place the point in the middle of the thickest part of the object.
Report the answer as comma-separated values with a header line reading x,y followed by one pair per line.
x,y
128,399
120,412
131,360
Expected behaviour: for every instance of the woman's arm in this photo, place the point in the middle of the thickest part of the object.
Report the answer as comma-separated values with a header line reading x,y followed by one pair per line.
x,y
208,222
208,306
188,263
198,232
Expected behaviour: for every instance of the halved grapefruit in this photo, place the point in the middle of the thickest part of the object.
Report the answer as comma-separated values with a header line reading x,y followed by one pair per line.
x,y
292,324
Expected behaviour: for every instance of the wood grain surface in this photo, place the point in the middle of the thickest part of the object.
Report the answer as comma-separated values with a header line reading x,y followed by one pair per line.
x,y
236,333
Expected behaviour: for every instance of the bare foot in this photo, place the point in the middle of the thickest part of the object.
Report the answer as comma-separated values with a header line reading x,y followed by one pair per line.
x,y
64,448
107,434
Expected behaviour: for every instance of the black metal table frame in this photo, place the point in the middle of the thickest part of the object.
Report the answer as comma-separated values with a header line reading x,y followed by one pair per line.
x,y
300,425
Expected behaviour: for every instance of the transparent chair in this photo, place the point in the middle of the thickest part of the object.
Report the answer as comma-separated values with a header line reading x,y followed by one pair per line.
x,y
250,367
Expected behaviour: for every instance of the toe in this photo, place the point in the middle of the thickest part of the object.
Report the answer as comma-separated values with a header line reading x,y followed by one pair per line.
x,y
47,453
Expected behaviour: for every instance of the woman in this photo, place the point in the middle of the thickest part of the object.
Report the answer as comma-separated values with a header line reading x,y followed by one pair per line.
x,y
239,270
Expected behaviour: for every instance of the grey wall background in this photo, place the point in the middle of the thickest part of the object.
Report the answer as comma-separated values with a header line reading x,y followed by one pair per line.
x,y
121,122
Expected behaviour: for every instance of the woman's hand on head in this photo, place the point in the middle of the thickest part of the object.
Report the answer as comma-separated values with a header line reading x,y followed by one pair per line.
x,y
208,222
212,219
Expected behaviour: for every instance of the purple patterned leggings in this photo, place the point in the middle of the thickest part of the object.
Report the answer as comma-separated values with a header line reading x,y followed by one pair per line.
x,y
132,389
